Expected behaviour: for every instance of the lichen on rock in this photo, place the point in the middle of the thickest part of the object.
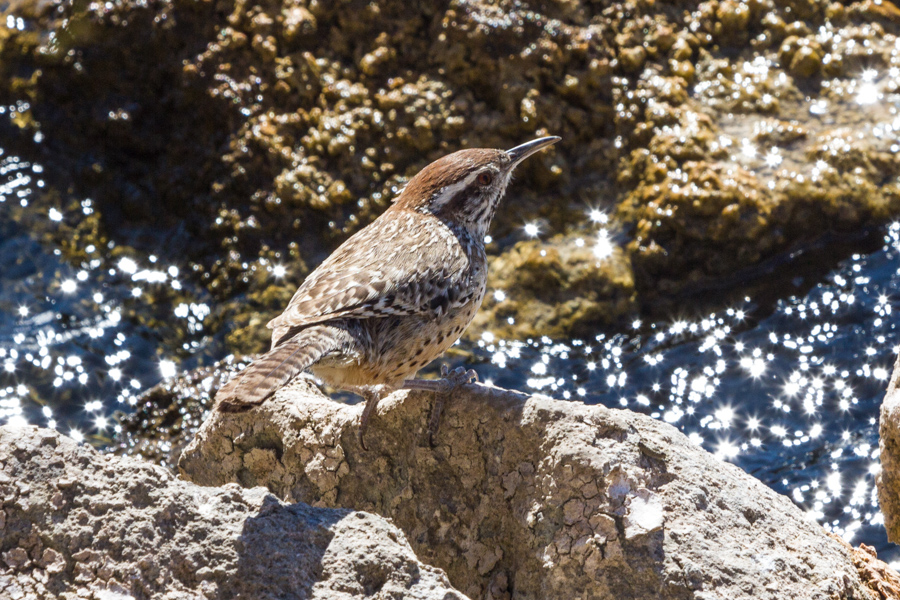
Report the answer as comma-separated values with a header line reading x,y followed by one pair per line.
x,y
252,132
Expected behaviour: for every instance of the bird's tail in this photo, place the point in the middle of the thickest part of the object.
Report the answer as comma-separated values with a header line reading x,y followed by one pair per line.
x,y
255,384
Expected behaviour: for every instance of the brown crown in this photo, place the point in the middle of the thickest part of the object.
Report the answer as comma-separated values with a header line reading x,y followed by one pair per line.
x,y
445,171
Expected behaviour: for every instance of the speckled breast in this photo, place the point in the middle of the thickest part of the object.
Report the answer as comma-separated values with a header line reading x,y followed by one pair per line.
x,y
399,346
406,344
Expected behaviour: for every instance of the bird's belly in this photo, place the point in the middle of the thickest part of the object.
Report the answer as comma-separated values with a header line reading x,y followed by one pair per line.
x,y
411,345
398,347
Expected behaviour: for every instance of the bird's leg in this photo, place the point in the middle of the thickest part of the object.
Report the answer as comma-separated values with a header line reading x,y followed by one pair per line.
x,y
371,395
437,409
442,388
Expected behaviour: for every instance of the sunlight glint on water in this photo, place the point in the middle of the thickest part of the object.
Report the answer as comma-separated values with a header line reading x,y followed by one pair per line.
x,y
793,398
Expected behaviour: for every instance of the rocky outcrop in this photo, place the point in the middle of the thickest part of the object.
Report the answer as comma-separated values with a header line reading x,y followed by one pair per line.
x,y
529,497
228,137
883,582
888,479
79,524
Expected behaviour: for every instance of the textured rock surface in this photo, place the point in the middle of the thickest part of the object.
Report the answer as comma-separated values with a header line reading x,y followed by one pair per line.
x,y
883,582
76,523
529,497
889,444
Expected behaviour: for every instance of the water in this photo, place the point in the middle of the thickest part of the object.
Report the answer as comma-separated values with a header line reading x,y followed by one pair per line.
x,y
80,341
792,397
791,394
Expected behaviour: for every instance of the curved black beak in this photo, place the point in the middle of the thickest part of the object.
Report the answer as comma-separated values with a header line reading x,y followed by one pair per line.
x,y
520,153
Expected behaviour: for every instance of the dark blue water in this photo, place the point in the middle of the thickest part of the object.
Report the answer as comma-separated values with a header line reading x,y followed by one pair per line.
x,y
791,396
82,339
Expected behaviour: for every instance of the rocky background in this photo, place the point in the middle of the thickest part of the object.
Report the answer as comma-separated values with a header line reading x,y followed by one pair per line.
x,y
718,139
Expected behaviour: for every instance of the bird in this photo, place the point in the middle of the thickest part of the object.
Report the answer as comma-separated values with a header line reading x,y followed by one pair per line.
x,y
395,295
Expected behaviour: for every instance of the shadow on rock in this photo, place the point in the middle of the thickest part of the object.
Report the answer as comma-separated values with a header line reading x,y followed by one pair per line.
x,y
530,497
77,523
290,540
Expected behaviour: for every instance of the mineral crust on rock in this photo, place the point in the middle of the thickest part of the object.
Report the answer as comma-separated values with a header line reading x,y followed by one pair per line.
x,y
79,524
232,136
528,497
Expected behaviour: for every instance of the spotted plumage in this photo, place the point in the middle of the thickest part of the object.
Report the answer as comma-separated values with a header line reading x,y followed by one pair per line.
x,y
394,296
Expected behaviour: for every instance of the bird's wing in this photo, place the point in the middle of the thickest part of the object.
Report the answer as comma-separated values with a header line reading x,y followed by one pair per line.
x,y
381,271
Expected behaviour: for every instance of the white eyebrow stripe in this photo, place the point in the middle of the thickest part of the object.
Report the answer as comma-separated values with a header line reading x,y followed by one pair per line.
x,y
446,194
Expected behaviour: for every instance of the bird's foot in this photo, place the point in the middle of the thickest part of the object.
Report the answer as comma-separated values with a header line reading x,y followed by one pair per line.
x,y
458,376
443,388
448,382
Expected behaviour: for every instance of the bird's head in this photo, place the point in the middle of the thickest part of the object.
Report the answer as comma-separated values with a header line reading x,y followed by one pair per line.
x,y
465,187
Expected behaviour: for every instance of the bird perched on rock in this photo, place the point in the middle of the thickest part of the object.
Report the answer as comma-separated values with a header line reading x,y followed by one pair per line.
x,y
394,296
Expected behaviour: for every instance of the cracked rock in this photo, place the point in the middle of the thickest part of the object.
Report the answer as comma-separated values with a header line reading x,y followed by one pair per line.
x,y
129,529
530,498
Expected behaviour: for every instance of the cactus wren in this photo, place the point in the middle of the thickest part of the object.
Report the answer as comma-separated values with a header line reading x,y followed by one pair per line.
x,y
394,296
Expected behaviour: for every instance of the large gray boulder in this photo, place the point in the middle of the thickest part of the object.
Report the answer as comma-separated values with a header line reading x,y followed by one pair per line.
x,y
79,524
531,498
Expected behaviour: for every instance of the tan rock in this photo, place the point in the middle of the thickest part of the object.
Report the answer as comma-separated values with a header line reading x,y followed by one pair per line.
x,y
888,479
538,498
175,540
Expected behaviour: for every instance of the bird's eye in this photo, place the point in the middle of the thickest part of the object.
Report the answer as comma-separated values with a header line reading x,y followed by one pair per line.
x,y
485,178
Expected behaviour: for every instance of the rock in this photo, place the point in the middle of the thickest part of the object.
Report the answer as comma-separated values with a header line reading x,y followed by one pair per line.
x,y
82,524
807,62
633,58
802,56
557,288
535,498
733,17
883,582
888,479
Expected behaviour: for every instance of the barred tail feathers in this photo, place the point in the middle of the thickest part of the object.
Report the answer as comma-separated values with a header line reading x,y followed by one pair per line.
x,y
274,369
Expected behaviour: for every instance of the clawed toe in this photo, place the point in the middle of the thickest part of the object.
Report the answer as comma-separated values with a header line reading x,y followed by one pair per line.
x,y
361,437
443,388
371,399
459,376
